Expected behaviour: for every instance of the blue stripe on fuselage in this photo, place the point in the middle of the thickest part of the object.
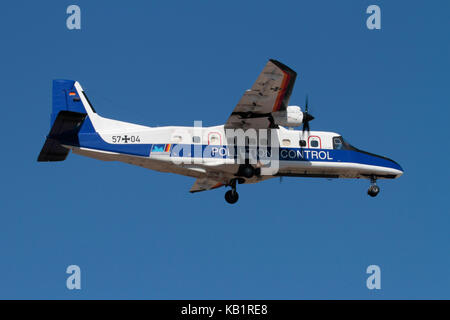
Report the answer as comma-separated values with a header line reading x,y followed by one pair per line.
x,y
287,154
93,140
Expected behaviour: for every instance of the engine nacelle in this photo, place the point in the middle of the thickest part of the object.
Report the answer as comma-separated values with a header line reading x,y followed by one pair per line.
x,y
291,117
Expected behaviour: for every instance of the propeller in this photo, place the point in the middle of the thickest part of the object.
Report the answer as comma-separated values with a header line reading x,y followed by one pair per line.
x,y
306,117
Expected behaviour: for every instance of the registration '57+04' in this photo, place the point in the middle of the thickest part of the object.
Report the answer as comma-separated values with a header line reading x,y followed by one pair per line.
x,y
125,139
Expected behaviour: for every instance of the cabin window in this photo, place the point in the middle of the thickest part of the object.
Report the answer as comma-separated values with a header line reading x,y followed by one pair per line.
x,y
176,139
196,139
314,142
214,138
286,142
302,143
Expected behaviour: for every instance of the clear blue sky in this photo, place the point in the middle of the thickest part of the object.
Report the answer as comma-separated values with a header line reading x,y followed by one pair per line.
x,y
140,234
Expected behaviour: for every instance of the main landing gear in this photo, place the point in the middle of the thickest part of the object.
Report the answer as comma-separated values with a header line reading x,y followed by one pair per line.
x,y
245,170
231,196
373,189
248,171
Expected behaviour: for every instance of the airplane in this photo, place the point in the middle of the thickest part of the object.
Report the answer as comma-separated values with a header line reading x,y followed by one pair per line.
x,y
259,140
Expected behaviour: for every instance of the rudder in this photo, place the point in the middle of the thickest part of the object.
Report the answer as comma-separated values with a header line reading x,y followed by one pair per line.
x,y
69,117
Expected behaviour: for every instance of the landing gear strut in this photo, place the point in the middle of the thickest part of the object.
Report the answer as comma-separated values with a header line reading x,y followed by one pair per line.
x,y
231,196
373,189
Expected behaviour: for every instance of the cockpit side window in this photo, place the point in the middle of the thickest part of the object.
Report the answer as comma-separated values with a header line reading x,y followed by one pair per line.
x,y
338,143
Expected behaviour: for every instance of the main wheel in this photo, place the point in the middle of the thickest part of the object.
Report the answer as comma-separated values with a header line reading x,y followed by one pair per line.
x,y
248,171
231,196
373,190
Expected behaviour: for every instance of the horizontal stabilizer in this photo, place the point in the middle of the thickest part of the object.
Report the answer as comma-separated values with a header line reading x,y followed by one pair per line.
x,y
53,151
64,131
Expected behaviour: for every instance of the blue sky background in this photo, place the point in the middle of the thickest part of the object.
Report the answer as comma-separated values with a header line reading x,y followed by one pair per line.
x,y
140,234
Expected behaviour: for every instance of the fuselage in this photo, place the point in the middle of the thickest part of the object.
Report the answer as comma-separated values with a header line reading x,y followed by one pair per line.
x,y
192,150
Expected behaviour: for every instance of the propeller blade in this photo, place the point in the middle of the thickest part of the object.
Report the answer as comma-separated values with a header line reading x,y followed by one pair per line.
x,y
306,116
306,126
306,104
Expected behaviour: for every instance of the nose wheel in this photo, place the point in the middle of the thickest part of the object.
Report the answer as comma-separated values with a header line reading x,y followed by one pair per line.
x,y
231,196
373,189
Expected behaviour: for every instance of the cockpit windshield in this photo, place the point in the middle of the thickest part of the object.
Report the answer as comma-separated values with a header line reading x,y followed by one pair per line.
x,y
340,144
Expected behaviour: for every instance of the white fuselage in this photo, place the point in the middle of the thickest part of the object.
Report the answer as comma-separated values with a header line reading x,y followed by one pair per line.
x,y
207,151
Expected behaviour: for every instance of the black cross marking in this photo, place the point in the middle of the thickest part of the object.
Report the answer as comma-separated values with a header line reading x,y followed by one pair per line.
x,y
125,138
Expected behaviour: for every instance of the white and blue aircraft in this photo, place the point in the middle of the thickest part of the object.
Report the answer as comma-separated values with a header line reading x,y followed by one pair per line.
x,y
213,155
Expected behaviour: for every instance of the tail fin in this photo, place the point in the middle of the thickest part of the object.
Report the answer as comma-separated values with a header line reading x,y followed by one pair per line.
x,y
68,96
70,115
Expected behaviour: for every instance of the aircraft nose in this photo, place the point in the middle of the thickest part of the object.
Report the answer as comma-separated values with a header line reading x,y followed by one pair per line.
x,y
396,169
390,168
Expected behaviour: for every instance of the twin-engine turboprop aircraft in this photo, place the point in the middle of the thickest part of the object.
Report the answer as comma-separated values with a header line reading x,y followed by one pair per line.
x,y
252,146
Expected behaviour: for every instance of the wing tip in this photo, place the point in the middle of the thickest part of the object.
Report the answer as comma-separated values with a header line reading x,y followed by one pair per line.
x,y
283,67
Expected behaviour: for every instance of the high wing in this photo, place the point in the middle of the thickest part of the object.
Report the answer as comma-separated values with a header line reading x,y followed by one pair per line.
x,y
203,184
270,93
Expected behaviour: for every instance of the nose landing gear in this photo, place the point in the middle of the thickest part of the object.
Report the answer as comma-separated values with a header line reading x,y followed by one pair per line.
x,y
373,189
231,196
